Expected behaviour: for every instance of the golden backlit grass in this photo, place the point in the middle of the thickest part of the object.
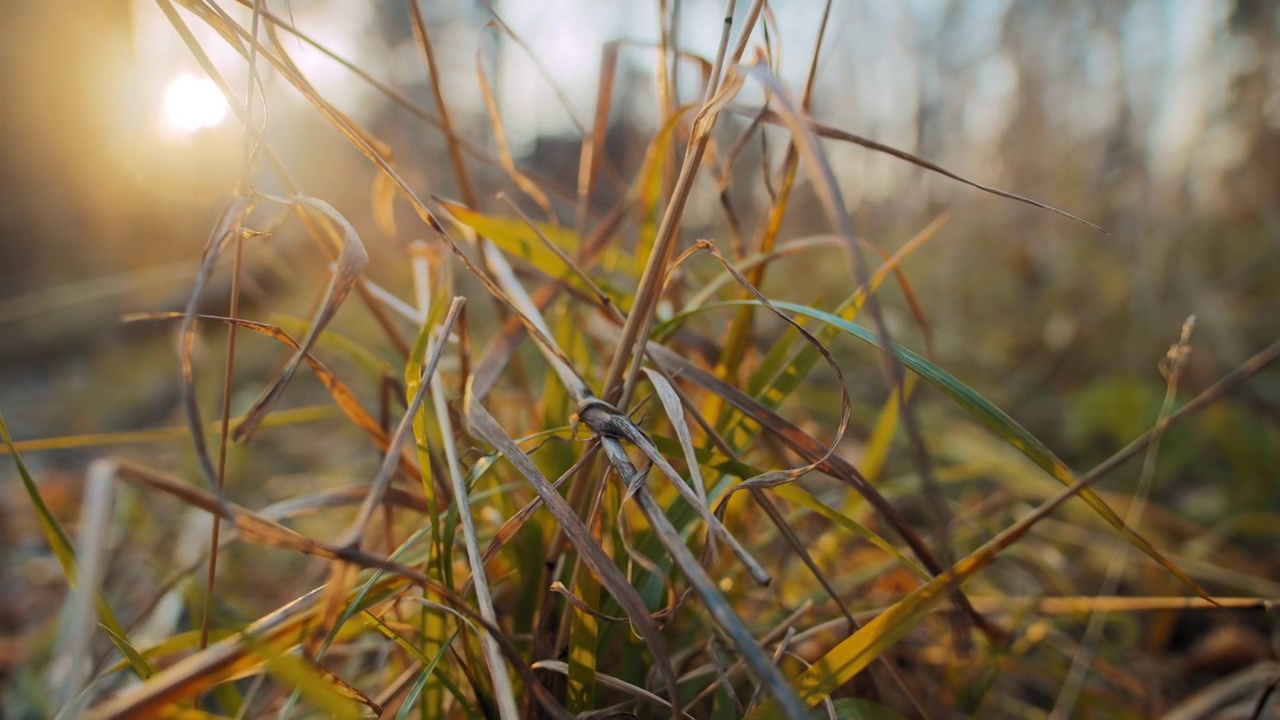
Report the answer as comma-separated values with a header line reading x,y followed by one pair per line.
x,y
619,495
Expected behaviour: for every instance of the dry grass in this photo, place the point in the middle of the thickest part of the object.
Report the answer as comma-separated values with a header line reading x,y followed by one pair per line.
x,y
588,504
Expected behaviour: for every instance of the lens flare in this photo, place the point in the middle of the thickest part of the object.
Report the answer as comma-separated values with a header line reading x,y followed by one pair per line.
x,y
190,104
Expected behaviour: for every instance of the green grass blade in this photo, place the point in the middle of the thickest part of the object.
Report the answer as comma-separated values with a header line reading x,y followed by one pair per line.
x,y
131,654
412,696
56,536
999,422
63,550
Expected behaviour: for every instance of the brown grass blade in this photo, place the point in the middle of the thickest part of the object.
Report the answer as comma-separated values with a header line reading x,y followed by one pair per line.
x,y
522,181
197,672
853,654
592,156
828,191
358,138
342,395
620,378
826,131
738,336
323,234
351,262
460,173
640,320
223,231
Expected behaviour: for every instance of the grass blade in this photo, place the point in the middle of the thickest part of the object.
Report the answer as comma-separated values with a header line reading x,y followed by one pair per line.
x,y
608,681
825,131
849,657
351,262
716,604
1000,423
484,426
515,237
343,397
412,696
60,542
280,418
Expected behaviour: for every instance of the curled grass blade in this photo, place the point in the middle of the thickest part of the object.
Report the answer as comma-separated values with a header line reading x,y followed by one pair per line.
x,y
350,265
228,224
828,191
991,416
611,682
342,395
807,447
849,657
714,601
1000,423
238,38
484,426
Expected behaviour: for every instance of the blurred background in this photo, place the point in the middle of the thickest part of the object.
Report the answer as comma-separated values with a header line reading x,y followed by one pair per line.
x,y
1159,120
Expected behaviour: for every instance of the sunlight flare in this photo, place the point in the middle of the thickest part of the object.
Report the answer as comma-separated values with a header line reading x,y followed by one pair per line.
x,y
191,103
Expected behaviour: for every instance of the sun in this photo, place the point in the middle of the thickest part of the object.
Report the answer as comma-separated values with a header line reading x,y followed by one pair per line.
x,y
191,103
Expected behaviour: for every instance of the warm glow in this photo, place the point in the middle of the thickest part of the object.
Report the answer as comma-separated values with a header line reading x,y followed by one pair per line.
x,y
191,103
